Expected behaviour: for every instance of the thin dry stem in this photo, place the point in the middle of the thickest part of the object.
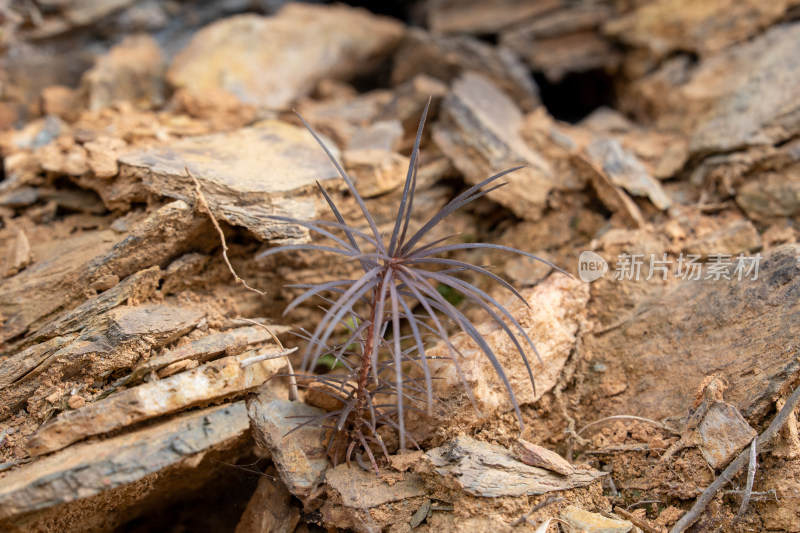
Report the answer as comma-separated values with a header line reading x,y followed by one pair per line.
x,y
201,201
630,417
751,475
293,394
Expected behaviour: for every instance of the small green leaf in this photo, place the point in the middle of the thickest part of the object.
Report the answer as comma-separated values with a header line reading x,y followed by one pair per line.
x,y
450,294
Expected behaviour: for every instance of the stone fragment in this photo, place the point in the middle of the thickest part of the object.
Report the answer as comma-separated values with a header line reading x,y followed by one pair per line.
x,y
18,254
270,509
132,71
535,455
103,153
564,40
612,196
552,321
245,176
407,102
112,341
359,489
448,57
491,471
89,469
220,109
342,119
210,382
325,396
184,272
76,401
476,17
771,194
206,348
375,171
86,12
60,101
384,135
339,42
527,272
719,103
364,502
75,200
478,130
44,288
50,286
584,521
299,456
16,366
21,197
732,239
666,26
626,171
723,434
133,289
405,460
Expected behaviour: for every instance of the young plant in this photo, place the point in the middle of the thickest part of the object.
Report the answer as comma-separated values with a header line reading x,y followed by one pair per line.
x,y
396,288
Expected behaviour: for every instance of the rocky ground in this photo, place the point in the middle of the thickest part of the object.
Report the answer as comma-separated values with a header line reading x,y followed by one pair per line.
x,y
663,137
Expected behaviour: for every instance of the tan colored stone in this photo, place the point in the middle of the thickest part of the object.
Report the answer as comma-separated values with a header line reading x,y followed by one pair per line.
x,y
375,171
479,130
584,521
212,381
60,101
132,71
552,321
18,254
103,153
535,455
76,401
491,471
246,176
104,465
338,41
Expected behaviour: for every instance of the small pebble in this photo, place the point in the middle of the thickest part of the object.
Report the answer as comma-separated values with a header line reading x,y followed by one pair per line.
x,y
76,402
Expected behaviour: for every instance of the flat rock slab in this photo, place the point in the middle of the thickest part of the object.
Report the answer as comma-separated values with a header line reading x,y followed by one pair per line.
x,y
336,41
479,132
247,175
112,341
66,268
666,26
751,110
447,57
625,170
743,331
89,469
208,347
270,509
359,489
723,434
207,383
491,471
300,456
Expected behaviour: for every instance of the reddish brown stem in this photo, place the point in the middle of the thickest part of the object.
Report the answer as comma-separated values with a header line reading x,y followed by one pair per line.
x,y
366,360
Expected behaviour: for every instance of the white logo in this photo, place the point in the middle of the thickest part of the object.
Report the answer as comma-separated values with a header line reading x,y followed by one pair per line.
x,y
591,266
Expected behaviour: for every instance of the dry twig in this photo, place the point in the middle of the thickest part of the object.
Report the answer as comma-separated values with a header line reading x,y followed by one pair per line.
x,y
659,425
293,395
642,524
201,201
751,475
539,506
